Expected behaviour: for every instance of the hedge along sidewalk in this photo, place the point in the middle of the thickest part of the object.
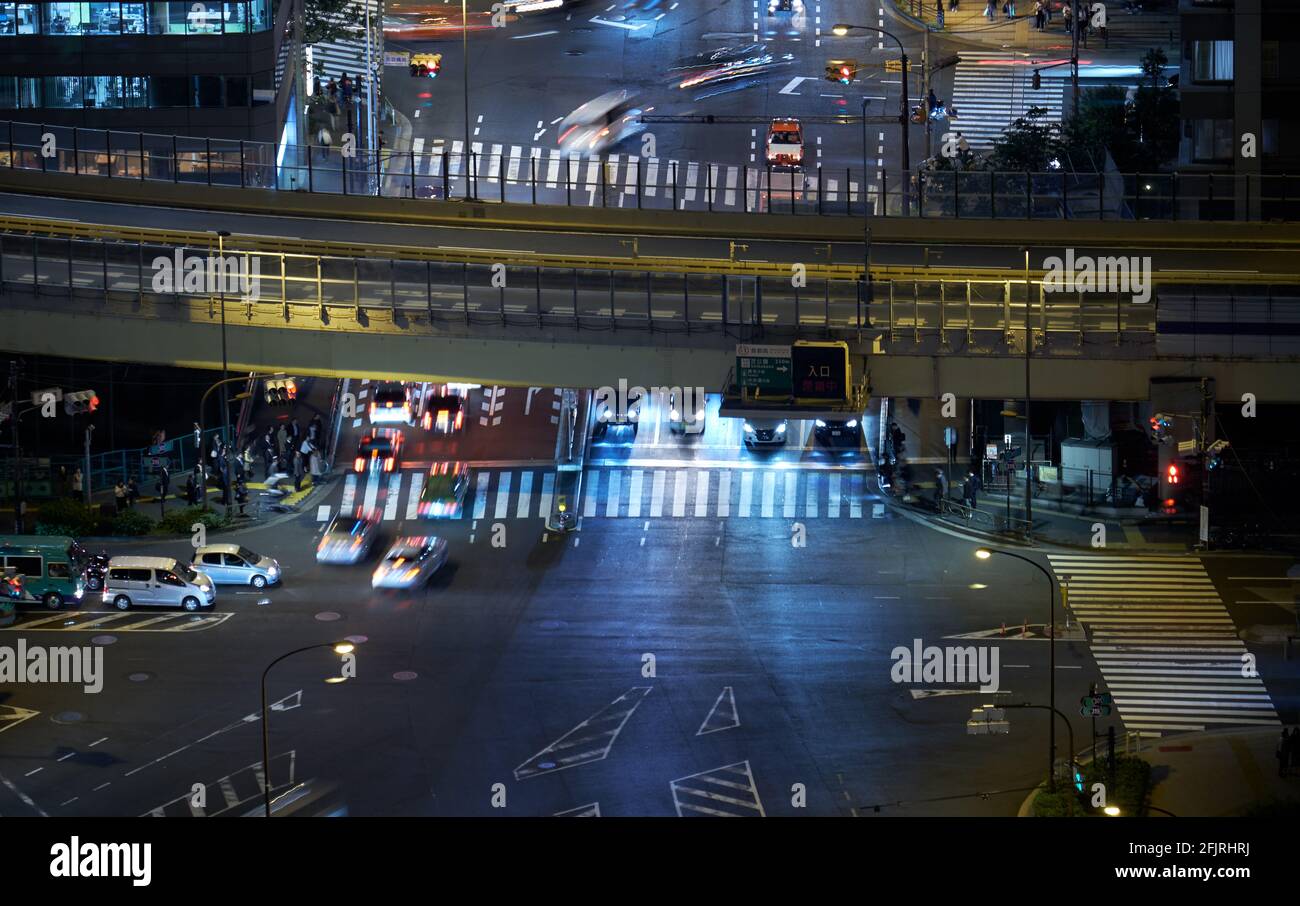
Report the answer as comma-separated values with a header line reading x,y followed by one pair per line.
x,y
1212,773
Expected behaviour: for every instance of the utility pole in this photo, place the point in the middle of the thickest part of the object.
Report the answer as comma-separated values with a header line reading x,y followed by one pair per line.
x,y
1029,468
925,72
1074,56
85,479
18,456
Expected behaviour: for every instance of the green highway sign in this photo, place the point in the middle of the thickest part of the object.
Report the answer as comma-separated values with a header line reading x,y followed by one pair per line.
x,y
763,367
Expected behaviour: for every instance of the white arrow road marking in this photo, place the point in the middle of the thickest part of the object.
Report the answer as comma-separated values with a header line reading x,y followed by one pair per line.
x,y
793,84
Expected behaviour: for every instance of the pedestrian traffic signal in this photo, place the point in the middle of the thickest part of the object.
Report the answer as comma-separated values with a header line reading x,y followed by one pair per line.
x,y
1038,80
281,392
1172,473
81,402
841,71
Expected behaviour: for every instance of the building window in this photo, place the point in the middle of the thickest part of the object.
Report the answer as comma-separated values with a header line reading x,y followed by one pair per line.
x,y
1212,140
207,91
1211,61
201,18
169,91
259,15
102,92
135,91
65,18
29,19
236,91
62,91
104,19
235,18
8,19
1268,137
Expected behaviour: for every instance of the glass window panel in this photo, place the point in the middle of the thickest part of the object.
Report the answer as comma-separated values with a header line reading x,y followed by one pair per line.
x,y
236,17
66,18
104,19
8,92
170,91
103,91
8,19
1212,61
133,18
259,14
135,91
29,92
207,91
29,19
62,91
202,18
236,91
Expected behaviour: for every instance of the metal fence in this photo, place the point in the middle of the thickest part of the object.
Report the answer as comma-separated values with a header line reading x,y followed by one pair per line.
x,y
936,316
551,177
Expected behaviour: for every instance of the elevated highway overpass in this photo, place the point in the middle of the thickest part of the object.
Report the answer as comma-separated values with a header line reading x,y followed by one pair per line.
x,y
391,287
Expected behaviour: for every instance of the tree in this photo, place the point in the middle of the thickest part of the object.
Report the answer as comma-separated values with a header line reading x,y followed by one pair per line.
x,y
1102,124
1029,145
326,20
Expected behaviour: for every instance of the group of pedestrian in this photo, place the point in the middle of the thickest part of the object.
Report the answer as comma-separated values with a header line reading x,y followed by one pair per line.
x,y
1008,9
1288,751
125,494
1042,14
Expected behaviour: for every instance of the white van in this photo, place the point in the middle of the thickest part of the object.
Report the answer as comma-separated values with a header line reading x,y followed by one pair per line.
x,y
156,582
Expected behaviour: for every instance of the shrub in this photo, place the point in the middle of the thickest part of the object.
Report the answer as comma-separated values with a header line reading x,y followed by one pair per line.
x,y
131,522
181,522
67,517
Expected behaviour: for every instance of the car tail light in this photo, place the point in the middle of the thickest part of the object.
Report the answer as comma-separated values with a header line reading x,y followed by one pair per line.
x,y
460,419
359,465
388,464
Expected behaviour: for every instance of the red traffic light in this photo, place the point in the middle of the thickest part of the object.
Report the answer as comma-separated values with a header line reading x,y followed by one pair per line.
x,y
1173,473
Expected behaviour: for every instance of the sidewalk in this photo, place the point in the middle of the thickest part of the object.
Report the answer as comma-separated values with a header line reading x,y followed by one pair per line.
x,y
1215,774
1128,34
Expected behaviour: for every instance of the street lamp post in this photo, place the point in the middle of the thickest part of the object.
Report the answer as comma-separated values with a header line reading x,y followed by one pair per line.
x,y
985,553
903,118
1029,468
340,648
222,236
470,189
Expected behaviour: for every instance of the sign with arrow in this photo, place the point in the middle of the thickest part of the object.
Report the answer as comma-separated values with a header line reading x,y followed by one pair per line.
x,y
763,368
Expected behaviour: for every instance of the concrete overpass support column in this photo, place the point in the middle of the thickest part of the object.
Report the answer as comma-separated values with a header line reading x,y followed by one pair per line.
x,y
1248,109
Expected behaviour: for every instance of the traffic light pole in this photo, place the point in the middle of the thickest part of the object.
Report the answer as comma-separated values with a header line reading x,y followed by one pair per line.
x,y
203,406
1074,56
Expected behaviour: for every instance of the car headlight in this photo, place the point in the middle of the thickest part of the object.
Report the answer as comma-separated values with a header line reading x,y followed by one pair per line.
x,y
273,571
749,429
851,423
820,423
780,429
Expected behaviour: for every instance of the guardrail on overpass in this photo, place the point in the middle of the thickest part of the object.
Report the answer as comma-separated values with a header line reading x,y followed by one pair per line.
x,y
560,179
77,289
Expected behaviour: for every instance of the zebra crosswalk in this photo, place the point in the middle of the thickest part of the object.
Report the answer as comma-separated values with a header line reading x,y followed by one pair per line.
x,y
990,91
1164,642
579,179
646,493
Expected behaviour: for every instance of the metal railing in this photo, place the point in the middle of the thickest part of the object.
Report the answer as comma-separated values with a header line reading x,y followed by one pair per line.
x,y
549,177
922,317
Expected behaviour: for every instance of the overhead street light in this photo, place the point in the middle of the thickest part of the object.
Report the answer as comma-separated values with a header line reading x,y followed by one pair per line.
x,y
984,553
341,647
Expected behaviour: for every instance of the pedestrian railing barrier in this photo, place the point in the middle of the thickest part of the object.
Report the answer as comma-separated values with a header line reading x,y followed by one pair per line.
x,y
544,176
